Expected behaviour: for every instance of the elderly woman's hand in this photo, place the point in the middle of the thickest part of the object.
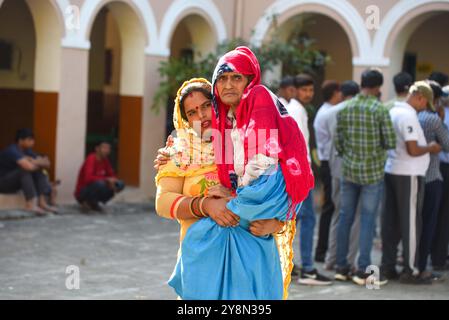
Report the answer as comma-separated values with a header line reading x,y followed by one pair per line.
x,y
261,228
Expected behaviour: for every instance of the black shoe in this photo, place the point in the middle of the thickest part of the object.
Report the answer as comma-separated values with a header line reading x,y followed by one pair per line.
x,y
362,278
390,274
342,274
408,278
313,278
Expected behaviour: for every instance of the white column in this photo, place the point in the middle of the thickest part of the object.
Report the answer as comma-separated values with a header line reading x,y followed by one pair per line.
x,y
72,118
153,126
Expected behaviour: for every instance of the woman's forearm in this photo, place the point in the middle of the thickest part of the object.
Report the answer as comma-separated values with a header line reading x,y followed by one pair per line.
x,y
189,208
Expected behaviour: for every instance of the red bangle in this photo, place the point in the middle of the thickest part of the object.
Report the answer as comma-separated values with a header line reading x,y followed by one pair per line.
x,y
173,212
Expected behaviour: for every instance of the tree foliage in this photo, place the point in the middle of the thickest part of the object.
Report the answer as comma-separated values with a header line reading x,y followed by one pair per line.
x,y
296,55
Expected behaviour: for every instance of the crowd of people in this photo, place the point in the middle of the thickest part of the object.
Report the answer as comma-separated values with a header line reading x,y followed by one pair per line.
x,y
386,161
375,160
238,178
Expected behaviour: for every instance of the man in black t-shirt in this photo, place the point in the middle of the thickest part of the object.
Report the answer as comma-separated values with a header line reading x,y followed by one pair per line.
x,y
22,169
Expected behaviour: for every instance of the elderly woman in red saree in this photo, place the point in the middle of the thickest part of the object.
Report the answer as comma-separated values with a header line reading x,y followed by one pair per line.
x,y
261,154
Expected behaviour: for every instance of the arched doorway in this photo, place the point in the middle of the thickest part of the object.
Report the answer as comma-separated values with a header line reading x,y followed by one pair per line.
x,y
192,38
426,50
116,80
17,52
336,45
30,37
413,38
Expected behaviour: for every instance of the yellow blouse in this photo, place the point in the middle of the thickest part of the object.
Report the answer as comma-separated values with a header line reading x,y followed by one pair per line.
x,y
171,190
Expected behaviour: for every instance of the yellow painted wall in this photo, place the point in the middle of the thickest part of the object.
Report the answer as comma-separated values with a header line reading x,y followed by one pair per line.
x,y
16,26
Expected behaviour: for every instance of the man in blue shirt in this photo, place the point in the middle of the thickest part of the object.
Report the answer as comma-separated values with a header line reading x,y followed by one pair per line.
x,y
22,169
441,239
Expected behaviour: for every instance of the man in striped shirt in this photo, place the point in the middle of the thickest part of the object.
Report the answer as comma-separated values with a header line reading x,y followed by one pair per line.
x,y
434,130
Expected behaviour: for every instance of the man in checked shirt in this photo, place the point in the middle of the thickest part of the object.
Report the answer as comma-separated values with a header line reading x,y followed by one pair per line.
x,y
364,134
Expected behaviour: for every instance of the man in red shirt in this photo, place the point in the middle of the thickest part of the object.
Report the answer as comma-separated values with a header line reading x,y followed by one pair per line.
x,y
97,182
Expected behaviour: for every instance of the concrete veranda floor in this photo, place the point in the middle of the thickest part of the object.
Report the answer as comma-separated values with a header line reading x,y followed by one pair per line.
x,y
127,253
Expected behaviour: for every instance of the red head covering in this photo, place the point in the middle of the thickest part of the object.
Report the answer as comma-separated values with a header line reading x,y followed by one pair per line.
x,y
265,126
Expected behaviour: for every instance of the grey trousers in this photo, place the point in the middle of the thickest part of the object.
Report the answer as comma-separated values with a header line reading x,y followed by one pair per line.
x,y
331,256
32,184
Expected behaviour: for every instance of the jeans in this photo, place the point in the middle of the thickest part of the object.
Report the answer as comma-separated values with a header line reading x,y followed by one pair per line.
x,y
369,197
97,191
331,256
307,222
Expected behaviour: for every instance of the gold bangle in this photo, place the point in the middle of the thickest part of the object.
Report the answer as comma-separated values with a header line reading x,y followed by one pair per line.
x,y
201,207
191,207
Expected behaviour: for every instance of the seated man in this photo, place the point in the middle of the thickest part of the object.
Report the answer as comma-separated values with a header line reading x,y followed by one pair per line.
x,y
97,181
22,169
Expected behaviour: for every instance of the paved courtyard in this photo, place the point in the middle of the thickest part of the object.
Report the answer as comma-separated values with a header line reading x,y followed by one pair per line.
x,y
127,253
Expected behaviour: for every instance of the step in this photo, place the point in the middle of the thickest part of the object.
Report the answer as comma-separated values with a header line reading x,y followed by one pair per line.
x,y
12,201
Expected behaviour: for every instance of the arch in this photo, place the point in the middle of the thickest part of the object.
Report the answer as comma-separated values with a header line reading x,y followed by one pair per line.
x,y
399,17
180,9
49,31
80,38
339,10
396,29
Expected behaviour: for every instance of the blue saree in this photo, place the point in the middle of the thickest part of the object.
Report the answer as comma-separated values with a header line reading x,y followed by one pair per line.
x,y
218,263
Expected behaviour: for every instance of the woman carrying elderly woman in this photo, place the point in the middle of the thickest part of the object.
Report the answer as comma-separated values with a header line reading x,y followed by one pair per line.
x,y
229,205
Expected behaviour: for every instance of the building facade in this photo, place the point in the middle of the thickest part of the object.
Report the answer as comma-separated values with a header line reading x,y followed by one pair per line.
x,y
78,71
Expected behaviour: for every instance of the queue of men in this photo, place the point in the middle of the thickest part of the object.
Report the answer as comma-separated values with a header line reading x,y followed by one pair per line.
x,y
376,160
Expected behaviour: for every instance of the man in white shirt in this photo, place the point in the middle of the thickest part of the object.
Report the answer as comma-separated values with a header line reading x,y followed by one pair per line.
x,y
308,275
332,96
405,172
305,91
349,89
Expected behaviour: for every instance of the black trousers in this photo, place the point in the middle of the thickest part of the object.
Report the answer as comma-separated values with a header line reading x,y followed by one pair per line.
x,y
32,184
327,210
402,220
432,201
441,239
96,192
